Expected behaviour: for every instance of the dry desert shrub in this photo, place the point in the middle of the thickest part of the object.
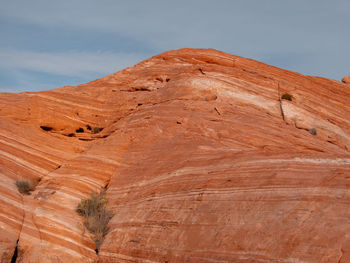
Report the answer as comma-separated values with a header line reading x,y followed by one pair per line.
x,y
25,186
96,216
286,96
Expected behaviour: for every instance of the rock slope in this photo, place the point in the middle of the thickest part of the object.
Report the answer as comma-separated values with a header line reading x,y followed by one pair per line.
x,y
205,157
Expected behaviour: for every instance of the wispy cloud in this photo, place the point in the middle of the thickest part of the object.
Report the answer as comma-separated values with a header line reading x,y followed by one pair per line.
x,y
31,71
63,37
79,64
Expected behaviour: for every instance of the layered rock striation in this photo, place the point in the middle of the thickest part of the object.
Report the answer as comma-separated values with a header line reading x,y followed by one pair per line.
x,y
204,156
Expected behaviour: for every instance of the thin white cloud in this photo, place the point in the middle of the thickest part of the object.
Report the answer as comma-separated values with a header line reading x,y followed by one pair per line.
x,y
79,64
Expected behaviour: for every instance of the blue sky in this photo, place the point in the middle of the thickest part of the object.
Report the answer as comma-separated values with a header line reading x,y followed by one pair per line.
x,y
48,44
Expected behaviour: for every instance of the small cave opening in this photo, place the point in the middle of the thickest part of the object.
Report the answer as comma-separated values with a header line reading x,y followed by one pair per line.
x,y
142,89
80,130
46,128
88,127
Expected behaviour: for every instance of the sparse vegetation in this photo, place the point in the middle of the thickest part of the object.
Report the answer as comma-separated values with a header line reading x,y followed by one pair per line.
x,y
96,216
97,130
313,131
25,187
287,96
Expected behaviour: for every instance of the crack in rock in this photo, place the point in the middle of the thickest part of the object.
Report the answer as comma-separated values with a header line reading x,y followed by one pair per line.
x,y
15,253
280,102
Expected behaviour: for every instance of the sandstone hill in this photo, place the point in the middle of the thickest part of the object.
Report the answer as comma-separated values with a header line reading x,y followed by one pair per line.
x,y
204,156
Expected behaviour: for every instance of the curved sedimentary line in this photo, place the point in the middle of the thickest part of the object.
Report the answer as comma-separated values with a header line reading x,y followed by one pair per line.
x,y
59,237
70,103
125,257
6,217
12,202
64,249
236,89
241,255
24,163
31,152
60,154
220,167
226,194
332,161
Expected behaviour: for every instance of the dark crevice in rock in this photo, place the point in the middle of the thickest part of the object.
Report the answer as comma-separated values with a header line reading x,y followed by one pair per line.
x,y
69,135
217,111
250,71
300,128
137,89
46,128
280,102
341,255
15,253
80,130
142,89
201,71
332,142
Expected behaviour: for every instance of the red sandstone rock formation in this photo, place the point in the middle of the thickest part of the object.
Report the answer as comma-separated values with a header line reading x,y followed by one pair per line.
x,y
346,80
202,159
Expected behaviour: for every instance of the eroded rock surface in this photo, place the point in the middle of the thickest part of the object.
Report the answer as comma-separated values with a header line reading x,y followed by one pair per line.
x,y
346,80
202,159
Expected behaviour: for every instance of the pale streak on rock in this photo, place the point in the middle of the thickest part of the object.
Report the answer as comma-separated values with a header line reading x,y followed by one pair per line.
x,y
69,103
24,163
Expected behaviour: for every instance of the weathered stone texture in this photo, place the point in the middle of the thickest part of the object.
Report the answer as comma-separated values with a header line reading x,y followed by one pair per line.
x,y
202,160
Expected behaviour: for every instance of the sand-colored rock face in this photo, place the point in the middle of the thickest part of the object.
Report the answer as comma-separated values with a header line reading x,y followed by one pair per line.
x,y
201,158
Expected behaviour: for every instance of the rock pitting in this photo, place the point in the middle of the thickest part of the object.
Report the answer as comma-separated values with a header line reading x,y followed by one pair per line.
x,y
201,159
